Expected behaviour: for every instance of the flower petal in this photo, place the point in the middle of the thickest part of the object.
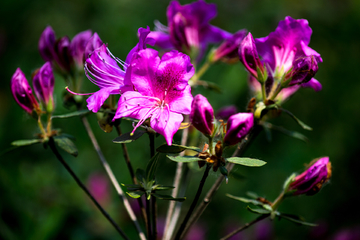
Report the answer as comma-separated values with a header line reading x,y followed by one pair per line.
x,y
314,84
162,40
180,101
96,100
166,123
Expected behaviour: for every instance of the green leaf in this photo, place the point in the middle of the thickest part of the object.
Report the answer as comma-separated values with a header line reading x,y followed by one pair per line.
x,y
184,158
295,219
140,175
293,134
252,195
258,210
20,143
249,162
66,144
246,200
73,114
135,194
237,176
168,197
175,148
127,137
161,187
151,167
303,125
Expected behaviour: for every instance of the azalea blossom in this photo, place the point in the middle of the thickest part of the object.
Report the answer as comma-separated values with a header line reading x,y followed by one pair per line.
x,y
162,92
43,83
107,71
188,28
202,115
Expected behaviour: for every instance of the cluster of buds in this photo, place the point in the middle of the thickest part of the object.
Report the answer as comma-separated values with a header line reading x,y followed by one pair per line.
x,y
43,83
65,54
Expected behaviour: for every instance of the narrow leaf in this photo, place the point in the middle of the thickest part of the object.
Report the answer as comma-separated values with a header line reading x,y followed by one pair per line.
x,y
258,210
293,134
184,158
66,144
140,174
73,114
296,219
151,167
175,148
160,187
252,195
249,162
19,143
127,137
168,197
210,85
135,194
303,125
246,200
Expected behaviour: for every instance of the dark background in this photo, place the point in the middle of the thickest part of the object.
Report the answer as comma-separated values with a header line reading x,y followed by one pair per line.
x,y
39,200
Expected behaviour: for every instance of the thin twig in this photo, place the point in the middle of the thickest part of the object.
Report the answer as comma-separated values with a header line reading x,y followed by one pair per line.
x,y
154,217
258,219
193,204
82,186
149,234
170,218
238,152
112,177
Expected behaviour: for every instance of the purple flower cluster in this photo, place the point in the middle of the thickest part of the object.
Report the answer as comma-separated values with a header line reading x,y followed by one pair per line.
x,y
287,60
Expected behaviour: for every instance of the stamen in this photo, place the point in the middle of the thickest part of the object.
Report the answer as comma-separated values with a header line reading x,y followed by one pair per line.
x,y
80,94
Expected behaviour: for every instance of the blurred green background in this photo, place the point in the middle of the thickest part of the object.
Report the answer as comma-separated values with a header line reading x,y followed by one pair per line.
x,y
39,200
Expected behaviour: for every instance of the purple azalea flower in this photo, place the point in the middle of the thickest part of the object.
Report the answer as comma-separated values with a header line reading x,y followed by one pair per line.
x,y
188,28
22,92
238,126
43,83
93,43
228,50
284,52
103,69
311,180
202,115
162,91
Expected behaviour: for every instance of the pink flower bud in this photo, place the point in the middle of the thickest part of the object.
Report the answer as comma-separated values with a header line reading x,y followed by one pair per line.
x,y
46,44
238,126
22,92
249,56
202,115
304,69
43,83
311,180
228,50
78,46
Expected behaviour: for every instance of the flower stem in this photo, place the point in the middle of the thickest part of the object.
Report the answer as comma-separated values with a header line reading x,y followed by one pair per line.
x,y
149,235
82,186
180,232
238,152
112,177
154,217
258,219
277,201
199,73
263,92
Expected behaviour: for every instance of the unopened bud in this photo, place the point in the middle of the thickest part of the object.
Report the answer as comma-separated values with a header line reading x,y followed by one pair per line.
x,y
43,83
202,115
238,126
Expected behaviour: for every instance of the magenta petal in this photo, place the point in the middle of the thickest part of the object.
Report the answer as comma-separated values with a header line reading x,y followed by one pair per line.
x,y
214,34
249,56
43,83
143,40
307,51
47,43
78,46
134,105
174,71
202,115
181,101
93,43
166,123
96,100
314,84
238,126
162,40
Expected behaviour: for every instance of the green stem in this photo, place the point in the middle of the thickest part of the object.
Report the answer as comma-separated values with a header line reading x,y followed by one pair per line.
x,y
258,219
152,144
276,92
263,92
180,233
199,73
42,129
82,186
277,201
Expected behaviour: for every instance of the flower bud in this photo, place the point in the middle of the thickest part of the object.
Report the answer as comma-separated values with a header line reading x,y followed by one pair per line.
x,y
249,56
228,50
62,54
43,83
46,44
304,69
22,92
77,47
238,126
202,115
311,180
